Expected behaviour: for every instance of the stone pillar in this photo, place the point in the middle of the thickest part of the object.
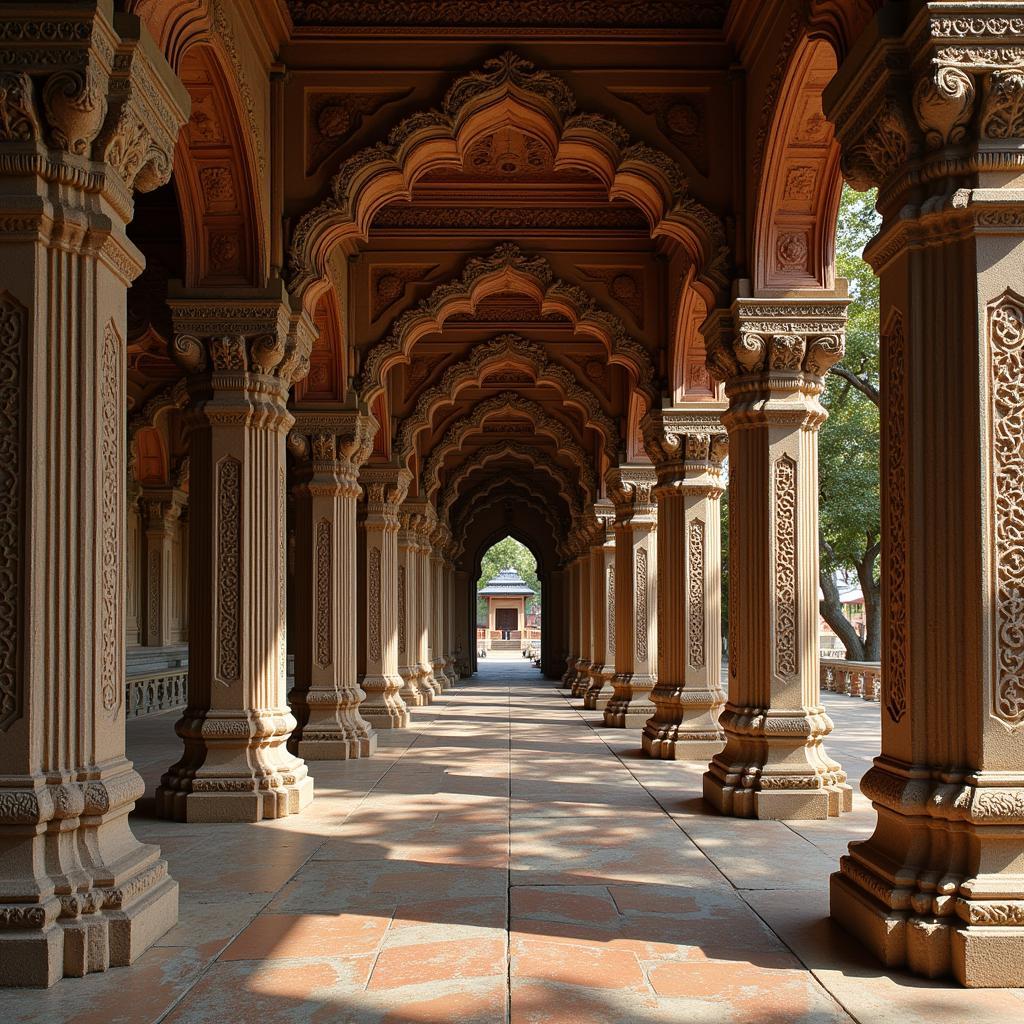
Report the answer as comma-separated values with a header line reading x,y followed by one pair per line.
x,y
602,607
426,521
688,449
384,489
162,509
90,115
572,619
930,111
460,599
329,449
582,681
449,610
636,574
436,606
773,355
414,693
241,355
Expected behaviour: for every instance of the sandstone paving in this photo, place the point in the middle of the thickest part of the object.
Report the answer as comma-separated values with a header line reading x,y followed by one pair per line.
x,y
507,859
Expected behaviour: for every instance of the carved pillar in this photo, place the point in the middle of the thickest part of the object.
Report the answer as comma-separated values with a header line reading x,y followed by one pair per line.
x,y
425,523
688,449
460,625
930,110
329,449
384,489
571,615
134,568
241,356
773,355
602,608
436,606
162,509
90,115
636,574
449,640
582,681
408,591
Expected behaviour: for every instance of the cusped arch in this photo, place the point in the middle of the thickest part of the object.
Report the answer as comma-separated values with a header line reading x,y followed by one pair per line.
x,y
542,519
506,402
518,452
492,491
507,91
506,269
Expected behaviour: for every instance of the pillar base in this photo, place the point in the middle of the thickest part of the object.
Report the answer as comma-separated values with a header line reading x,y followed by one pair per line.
x,y
581,683
426,680
414,695
236,768
569,676
384,707
437,670
684,726
630,705
450,674
333,747
669,744
735,796
599,689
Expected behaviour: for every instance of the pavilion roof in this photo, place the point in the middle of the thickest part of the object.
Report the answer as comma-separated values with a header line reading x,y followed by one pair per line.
x,y
508,583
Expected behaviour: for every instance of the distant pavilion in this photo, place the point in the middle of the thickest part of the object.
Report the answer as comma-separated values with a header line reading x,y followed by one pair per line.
x,y
506,597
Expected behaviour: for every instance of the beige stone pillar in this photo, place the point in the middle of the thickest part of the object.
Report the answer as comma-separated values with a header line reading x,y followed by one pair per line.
x,y
162,509
414,692
241,355
425,523
89,116
939,886
384,489
449,609
602,607
572,619
636,592
329,448
688,448
461,641
773,355
438,539
583,664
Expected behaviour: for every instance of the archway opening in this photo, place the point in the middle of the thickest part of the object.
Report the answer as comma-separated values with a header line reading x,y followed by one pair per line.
x,y
509,602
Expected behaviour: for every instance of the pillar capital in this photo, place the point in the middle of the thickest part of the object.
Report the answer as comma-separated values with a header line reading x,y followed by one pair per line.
x,y
330,447
688,448
631,490
162,506
384,490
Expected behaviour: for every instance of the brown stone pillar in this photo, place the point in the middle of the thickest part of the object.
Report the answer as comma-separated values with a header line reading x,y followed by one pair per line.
x,y
414,693
773,355
384,489
438,539
636,576
241,355
688,449
162,508
425,523
583,663
90,115
461,642
449,608
571,613
602,608
329,449
930,110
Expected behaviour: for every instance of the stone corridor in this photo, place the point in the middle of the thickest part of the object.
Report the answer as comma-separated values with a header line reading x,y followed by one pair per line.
x,y
506,858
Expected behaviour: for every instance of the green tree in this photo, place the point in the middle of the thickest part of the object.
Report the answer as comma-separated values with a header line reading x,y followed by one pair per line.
x,y
850,531
507,553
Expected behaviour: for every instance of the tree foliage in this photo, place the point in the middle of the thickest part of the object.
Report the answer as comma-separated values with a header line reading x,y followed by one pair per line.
x,y
506,553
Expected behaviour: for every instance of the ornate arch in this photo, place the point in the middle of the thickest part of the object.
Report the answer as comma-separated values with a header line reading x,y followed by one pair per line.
x,y
491,491
507,401
689,379
541,510
507,268
507,90
153,417
505,350
531,456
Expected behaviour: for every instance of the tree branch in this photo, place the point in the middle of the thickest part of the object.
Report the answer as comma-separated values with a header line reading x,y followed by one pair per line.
x,y
862,384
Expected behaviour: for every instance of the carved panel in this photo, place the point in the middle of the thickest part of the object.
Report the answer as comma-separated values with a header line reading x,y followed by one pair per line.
x,y
695,586
641,604
401,610
504,218
333,117
896,651
324,619
1006,344
680,118
611,611
218,188
12,355
282,573
153,609
785,566
229,579
625,286
387,285
373,603
111,482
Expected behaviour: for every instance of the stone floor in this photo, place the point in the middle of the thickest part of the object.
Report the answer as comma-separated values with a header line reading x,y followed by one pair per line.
x,y
506,859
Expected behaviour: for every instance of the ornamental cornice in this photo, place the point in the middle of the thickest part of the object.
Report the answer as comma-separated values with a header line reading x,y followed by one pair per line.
x,y
684,444
631,490
384,489
325,440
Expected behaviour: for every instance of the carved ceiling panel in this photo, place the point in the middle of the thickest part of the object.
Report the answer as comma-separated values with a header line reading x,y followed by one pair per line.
x,y
334,116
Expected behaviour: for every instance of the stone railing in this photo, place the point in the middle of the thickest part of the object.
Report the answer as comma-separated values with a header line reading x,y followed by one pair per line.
x,y
854,678
154,692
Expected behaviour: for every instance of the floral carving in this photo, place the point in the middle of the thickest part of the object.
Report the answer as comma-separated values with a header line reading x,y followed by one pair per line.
x,y
324,617
401,610
611,611
153,600
228,560
18,120
12,355
791,251
641,603
896,652
510,69
112,475
373,603
695,585
1006,341
785,566
1003,111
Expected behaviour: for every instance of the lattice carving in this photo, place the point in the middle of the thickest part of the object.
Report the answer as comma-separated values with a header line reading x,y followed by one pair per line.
x,y
112,480
153,601
641,604
373,598
610,587
282,572
324,610
1006,344
695,585
785,566
229,579
12,356
401,610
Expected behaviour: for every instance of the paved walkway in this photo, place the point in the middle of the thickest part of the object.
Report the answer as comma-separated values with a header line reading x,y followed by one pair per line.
x,y
506,859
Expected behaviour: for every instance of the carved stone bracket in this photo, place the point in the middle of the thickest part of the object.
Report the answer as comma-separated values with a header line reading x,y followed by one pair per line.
x,y
327,443
631,490
688,448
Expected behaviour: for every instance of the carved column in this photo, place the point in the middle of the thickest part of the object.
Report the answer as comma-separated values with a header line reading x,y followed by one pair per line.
x,y
384,489
449,607
688,449
414,693
241,356
602,607
582,681
90,114
931,110
636,591
438,539
425,523
773,355
572,619
329,449
162,509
